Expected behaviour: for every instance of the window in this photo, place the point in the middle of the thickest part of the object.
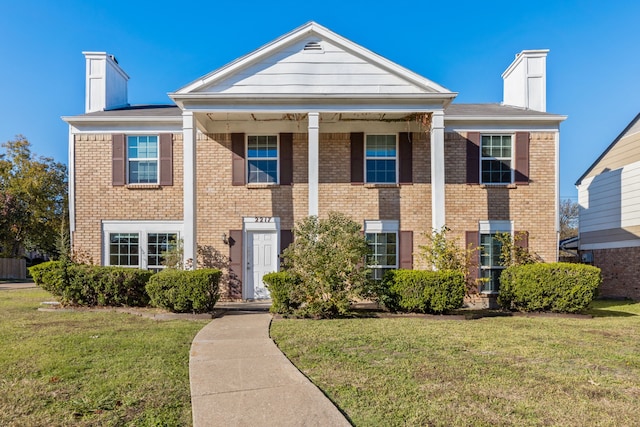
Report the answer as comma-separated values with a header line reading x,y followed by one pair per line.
x,y
142,154
139,244
262,159
124,249
490,268
380,159
496,159
382,237
157,244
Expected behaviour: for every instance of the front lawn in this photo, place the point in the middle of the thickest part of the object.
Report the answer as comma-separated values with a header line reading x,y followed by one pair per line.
x,y
488,372
91,368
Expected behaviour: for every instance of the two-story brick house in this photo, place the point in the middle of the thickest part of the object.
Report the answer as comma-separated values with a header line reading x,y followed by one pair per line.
x,y
307,124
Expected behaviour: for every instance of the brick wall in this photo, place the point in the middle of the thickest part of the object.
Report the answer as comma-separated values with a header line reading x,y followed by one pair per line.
x,y
531,207
620,271
96,199
221,206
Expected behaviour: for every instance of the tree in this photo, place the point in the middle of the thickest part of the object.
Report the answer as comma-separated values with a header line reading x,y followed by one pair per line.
x,y
327,255
33,199
569,212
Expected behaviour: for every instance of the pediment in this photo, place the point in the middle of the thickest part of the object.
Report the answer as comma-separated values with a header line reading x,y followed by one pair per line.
x,y
312,61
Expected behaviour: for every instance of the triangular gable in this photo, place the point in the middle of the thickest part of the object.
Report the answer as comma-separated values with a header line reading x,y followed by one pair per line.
x,y
623,150
312,60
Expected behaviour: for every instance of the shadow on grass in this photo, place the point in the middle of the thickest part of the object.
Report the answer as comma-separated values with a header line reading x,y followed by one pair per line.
x,y
614,308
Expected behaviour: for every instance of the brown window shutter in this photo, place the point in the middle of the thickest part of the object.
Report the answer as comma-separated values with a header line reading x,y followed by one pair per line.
x,y
522,239
406,250
522,158
357,157
473,157
405,161
166,159
286,238
235,259
286,158
238,175
119,160
472,242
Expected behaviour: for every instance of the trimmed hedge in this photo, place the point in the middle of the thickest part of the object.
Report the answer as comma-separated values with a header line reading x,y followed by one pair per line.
x,y
282,287
423,291
195,291
92,285
557,287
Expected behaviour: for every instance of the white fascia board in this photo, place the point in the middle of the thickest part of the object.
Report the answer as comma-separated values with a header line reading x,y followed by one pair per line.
x,y
503,127
293,104
505,118
610,245
123,124
297,34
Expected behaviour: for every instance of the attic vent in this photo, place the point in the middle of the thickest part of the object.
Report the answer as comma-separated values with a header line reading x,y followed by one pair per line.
x,y
313,47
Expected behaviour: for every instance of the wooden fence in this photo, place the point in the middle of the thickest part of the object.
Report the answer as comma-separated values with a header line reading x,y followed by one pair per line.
x,y
13,268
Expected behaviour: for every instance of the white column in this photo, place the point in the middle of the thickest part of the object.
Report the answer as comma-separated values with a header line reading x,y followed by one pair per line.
x,y
314,168
437,170
189,238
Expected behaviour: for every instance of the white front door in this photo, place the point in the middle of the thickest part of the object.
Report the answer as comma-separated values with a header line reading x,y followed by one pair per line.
x,y
262,258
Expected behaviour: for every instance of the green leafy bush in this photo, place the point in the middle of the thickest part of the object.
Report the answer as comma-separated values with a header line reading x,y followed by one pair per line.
x,y
283,287
48,275
180,291
91,285
557,287
327,255
424,291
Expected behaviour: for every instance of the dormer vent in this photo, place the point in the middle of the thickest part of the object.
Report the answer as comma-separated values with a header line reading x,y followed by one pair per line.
x,y
313,46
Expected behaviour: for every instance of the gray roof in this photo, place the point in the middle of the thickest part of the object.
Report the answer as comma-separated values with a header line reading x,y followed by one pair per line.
x,y
487,110
165,110
457,110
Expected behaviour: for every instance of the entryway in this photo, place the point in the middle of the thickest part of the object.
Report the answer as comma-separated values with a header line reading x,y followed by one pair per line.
x,y
262,258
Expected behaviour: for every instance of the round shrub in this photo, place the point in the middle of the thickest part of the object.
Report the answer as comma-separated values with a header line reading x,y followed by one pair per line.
x,y
190,291
423,291
556,287
282,286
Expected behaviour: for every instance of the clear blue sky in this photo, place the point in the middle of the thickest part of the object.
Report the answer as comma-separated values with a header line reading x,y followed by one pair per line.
x,y
592,69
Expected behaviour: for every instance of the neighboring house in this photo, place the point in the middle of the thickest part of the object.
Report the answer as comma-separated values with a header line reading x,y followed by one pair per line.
x,y
307,124
609,198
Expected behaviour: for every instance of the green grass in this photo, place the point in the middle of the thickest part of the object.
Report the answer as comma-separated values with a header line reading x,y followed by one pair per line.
x,y
91,368
525,371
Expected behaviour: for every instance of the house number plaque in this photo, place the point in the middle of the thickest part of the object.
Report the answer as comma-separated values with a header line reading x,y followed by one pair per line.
x,y
264,219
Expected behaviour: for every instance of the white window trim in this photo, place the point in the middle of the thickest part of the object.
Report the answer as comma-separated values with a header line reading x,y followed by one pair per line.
x,y
384,226
138,159
246,150
143,228
396,135
511,159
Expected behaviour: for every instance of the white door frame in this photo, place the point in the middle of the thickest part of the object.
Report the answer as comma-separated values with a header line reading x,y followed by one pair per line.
x,y
257,224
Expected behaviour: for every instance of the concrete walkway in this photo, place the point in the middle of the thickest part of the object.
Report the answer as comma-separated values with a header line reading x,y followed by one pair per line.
x,y
239,377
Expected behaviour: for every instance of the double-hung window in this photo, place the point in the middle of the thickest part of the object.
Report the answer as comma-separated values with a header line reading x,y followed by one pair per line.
x,y
496,159
262,159
490,250
490,268
381,157
142,155
382,238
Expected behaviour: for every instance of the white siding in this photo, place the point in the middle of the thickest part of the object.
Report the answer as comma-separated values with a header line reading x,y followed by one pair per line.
x,y
610,200
331,71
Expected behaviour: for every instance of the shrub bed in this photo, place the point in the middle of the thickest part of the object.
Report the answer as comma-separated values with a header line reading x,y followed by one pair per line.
x,y
282,287
423,291
556,287
180,291
92,285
